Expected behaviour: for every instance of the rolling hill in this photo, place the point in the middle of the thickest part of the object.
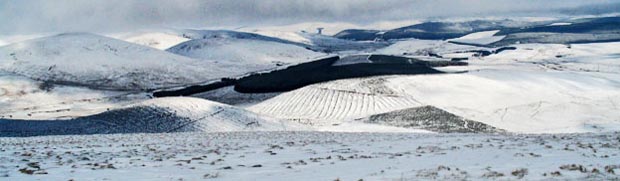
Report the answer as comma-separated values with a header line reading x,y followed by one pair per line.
x,y
159,40
244,55
161,115
102,63
514,100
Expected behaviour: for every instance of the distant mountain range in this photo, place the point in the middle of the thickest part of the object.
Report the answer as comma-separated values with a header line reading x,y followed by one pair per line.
x,y
585,30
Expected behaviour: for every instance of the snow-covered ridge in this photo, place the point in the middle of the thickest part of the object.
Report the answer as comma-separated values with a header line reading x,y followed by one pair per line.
x,y
560,24
161,115
430,118
479,38
195,34
285,35
27,99
245,54
416,47
159,40
335,101
329,29
320,42
522,101
101,62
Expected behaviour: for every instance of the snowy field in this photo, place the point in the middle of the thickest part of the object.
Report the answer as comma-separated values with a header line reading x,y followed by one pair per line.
x,y
311,156
526,111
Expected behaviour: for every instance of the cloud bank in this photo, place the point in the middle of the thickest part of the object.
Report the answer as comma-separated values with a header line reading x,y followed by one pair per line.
x,y
37,16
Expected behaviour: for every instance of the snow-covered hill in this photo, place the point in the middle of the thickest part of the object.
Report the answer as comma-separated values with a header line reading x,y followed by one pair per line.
x,y
244,55
522,101
426,48
430,118
313,41
594,57
323,42
434,50
333,44
292,36
153,116
517,101
437,30
311,27
336,101
329,28
24,98
103,63
195,34
479,38
159,40
10,39
535,88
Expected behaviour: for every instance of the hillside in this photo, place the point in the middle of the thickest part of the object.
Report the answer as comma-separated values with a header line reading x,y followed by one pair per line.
x,y
27,99
335,101
158,40
513,100
152,116
522,101
102,63
430,118
563,31
244,55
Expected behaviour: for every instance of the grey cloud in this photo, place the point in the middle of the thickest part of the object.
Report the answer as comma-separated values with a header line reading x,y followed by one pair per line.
x,y
37,16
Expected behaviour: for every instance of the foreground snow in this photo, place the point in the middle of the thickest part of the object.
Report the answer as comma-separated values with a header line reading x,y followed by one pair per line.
x,y
311,156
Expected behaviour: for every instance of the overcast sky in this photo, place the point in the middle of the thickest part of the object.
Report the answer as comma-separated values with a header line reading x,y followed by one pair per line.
x,y
39,16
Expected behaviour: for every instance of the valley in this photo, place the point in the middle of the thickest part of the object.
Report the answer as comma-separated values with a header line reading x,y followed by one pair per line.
x,y
479,99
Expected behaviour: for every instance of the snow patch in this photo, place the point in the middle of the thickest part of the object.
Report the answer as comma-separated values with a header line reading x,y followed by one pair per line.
x,y
560,24
157,40
479,38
